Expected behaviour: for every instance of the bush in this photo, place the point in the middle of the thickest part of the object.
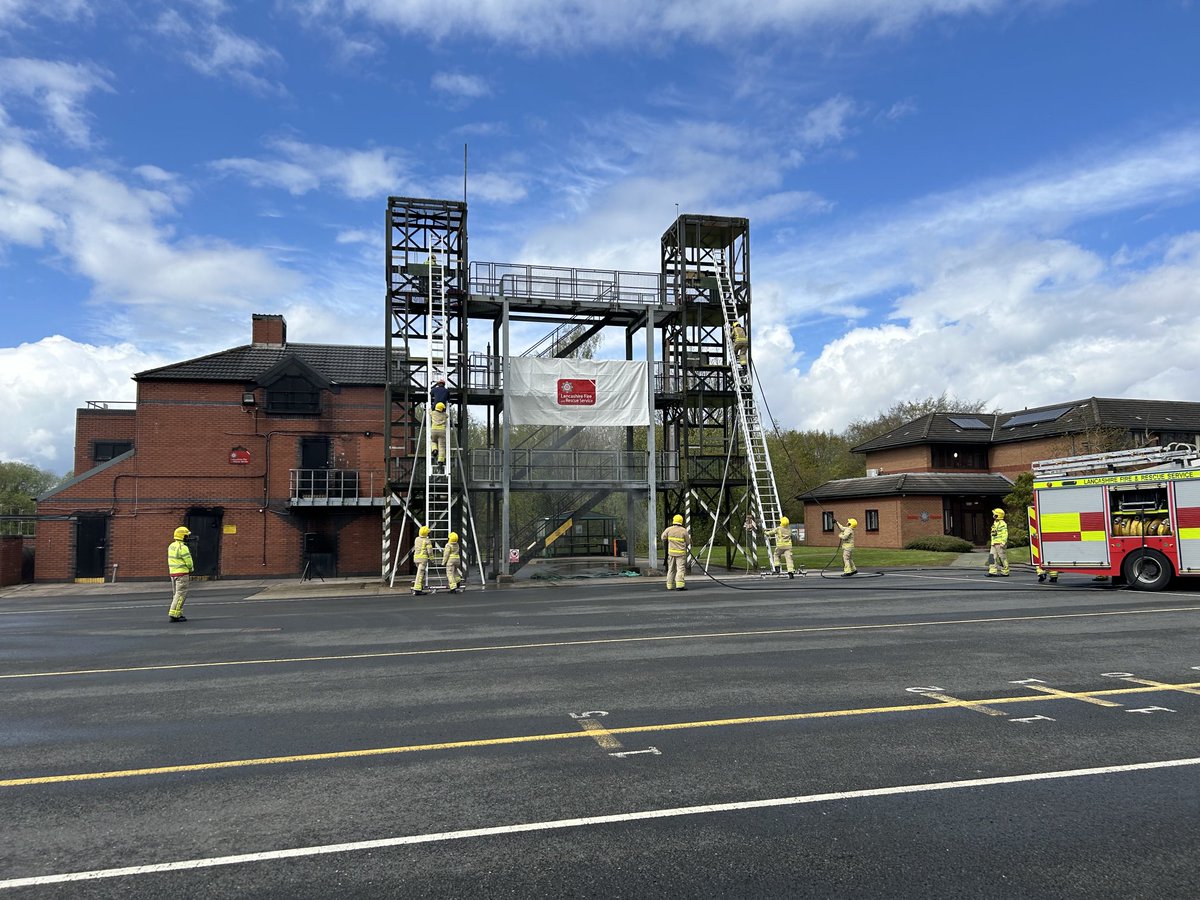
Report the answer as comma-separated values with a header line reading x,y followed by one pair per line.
x,y
941,543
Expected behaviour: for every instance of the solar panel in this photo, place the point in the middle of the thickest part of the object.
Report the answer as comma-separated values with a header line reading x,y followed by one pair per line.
x,y
969,423
1034,418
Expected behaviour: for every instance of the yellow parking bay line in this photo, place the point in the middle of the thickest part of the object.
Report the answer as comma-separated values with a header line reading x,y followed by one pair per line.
x,y
576,735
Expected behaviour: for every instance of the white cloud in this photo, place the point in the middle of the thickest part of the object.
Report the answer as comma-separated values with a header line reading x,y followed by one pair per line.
x,y
458,84
553,25
59,89
827,123
216,51
300,168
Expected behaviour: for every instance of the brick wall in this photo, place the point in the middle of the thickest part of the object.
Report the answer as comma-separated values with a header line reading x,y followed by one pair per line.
x,y
185,433
93,425
11,549
1013,459
899,459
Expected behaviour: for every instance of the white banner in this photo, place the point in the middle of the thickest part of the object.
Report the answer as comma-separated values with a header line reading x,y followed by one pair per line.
x,y
577,391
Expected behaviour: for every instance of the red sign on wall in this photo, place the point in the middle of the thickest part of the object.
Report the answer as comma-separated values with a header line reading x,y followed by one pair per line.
x,y
577,392
239,456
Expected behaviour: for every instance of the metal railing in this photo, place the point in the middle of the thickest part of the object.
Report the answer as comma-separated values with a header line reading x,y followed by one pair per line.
x,y
558,283
616,467
336,487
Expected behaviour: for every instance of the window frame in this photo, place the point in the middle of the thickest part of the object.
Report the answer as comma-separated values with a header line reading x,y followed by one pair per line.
x,y
828,521
96,445
871,519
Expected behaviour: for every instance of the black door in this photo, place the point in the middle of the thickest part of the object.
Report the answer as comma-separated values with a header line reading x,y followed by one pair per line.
x,y
315,460
205,540
91,546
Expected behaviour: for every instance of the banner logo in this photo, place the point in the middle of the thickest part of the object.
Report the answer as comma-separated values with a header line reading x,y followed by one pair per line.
x,y
577,392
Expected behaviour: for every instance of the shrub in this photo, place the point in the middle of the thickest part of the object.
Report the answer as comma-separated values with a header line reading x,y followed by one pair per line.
x,y
942,543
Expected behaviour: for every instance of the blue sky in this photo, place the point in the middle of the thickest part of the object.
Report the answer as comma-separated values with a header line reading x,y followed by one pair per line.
x,y
994,198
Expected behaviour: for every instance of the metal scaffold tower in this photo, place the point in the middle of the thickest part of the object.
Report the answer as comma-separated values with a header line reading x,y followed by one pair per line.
x,y
704,455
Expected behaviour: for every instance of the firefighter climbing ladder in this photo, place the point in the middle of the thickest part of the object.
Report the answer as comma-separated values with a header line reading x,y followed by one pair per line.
x,y
758,458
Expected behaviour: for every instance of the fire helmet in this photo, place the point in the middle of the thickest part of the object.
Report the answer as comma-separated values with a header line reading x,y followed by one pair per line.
x,y
424,530
181,533
678,520
852,522
440,407
998,513
454,537
785,521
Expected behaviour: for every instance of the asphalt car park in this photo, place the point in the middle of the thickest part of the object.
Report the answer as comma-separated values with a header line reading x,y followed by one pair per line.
x,y
923,733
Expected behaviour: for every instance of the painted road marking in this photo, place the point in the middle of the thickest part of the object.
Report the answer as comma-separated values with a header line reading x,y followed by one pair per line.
x,y
653,751
587,721
1036,684
1125,676
591,821
543,738
973,705
550,645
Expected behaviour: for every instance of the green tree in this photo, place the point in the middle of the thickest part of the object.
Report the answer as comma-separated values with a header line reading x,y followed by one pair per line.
x,y
1016,508
20,483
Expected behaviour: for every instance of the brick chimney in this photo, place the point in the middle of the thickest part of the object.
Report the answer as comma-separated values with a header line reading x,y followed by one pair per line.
x,y
271,330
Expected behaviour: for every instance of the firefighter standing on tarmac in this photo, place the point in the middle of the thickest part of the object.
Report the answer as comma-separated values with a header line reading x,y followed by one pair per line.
x,y
678,541
422,552
783,547
846,539
452,560
180,565
999,541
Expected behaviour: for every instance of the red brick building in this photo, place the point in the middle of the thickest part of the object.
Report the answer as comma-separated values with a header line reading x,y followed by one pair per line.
x,y
271,453
944,472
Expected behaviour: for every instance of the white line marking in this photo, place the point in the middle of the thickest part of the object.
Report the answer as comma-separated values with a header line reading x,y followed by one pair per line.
x,y
559,824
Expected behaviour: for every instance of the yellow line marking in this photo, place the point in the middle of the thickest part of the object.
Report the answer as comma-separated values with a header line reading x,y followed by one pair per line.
x,y
567,736
601,734
549,645
1055,692
1158,684
973,705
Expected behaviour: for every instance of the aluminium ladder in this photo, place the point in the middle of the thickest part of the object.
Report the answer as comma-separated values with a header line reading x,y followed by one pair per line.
x,y
438,486
765,493
1105,463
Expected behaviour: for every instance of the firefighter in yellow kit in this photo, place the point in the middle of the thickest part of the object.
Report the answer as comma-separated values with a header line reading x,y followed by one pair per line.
x,y
180,565
678,542
783,548
452,560
422,551
999,541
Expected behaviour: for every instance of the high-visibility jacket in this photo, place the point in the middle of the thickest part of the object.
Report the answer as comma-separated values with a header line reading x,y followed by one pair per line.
x,y
783,537
999,532
437,419
846,536
450,553
422,548
677,539
179,558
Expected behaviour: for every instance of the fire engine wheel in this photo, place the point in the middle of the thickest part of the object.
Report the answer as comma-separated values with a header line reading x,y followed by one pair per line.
x,y
1147,570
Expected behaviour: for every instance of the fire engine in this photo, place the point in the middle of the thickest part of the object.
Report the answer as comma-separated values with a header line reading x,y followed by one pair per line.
x,y
1131,514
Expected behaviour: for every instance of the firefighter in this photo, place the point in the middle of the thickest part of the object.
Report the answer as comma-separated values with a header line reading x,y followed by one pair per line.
x,y
678,542
1043,574
439,393
741,343
783,547
999,541
452,560
422,552
180,565
846,540
437,433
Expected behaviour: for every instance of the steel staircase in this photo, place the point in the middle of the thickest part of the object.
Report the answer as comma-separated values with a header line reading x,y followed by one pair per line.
x,y
766,504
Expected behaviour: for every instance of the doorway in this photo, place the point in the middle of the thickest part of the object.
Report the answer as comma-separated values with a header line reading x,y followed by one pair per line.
x,y
205,540
91,546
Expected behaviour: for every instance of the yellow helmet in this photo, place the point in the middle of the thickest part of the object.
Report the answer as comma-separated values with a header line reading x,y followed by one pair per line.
x,y
424,531
441,407
852,522
678,520
785,521
998,513
181,533
454,537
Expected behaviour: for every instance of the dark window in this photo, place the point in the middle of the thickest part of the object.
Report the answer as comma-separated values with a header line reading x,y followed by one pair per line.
x,y
872,520
103,451
827,522
293,395
959,457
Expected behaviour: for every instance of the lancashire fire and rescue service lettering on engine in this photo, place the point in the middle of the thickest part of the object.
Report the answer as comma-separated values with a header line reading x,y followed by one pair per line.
x,y
576,392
